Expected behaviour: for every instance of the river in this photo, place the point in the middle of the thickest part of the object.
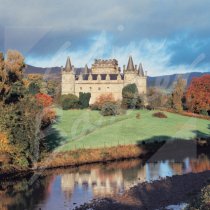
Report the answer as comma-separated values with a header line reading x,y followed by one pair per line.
x,y
67,188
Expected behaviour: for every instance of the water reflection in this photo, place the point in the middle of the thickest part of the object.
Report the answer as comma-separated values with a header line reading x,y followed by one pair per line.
x,y
64,189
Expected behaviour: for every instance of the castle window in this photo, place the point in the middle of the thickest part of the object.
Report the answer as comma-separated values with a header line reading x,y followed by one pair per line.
x,y
80,88
99,88
90,88
107,87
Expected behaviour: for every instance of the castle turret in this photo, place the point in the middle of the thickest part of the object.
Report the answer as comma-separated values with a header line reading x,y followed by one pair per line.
x,y
130,66
68,78
140,70
68,67
130,73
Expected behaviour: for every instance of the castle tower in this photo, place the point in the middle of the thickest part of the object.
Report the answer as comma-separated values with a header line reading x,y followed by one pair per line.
x,y
141,80
130,72
68,79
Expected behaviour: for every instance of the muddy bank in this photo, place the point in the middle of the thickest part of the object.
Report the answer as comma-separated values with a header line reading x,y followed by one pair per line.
x,y
172,190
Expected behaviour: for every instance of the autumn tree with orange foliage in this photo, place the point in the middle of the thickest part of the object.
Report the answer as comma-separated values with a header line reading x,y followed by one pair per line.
x,y
44,100
102,99
198,94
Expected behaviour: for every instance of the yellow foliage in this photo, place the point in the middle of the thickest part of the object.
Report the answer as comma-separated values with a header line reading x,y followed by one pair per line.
x,y
4,143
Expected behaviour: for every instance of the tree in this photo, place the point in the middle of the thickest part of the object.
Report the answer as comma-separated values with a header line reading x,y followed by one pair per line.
x,y
130,96
178,94
156,98
102,99
43,100
84,99
198,94
11,77
19,111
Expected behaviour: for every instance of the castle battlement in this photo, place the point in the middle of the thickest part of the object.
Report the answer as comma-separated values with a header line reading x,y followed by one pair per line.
x,y
104,77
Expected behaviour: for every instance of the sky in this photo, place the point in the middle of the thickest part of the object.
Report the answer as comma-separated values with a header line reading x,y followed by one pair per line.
x,y
166,36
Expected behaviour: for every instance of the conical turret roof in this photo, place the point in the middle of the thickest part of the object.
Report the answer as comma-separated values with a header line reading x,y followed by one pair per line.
x,y
140,70
68,66
130,66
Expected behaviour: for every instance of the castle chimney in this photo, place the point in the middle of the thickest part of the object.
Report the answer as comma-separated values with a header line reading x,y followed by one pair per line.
x,y
136,67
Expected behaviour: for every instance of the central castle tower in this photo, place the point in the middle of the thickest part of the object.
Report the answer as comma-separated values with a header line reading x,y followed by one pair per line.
x,y
105,76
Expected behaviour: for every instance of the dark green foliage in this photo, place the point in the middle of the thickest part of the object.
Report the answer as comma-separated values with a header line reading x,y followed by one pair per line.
x,y
22,122
69,101
84,99
130,97
17,91
131,88
204,112
34,88
110,109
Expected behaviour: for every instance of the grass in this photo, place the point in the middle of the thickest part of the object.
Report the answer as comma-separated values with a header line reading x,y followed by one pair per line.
x,y
88,129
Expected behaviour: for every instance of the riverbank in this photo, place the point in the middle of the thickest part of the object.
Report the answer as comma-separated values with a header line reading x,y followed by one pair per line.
x,y
155,195
85,156
152,151
102,155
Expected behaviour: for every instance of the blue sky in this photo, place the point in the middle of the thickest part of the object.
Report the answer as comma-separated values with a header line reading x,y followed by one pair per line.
x,y
167,36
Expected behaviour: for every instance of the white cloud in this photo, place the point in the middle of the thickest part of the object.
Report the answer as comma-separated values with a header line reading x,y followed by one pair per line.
x,y
154,55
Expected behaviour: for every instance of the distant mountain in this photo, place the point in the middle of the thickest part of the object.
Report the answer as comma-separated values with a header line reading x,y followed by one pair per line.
x,y
167,81
164,82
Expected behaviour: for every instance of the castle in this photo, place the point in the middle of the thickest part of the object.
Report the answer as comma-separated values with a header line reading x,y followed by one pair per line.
x,y
105,76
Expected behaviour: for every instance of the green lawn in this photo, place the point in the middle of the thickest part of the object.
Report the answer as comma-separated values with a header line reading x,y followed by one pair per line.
x,y
88,129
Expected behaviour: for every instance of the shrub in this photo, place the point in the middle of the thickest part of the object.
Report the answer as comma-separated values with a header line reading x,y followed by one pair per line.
x,y
204,112
84,99
110,109
138,116
159,115
101,100
69,101
149,107
43,100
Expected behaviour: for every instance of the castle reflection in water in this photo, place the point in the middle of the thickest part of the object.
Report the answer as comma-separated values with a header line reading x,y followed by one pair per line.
x,y
104,182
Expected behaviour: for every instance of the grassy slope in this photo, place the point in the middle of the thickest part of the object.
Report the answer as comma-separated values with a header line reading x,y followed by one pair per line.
x,y
88,129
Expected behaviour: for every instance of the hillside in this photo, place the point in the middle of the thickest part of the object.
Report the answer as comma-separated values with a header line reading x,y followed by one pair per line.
x,y
164,82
